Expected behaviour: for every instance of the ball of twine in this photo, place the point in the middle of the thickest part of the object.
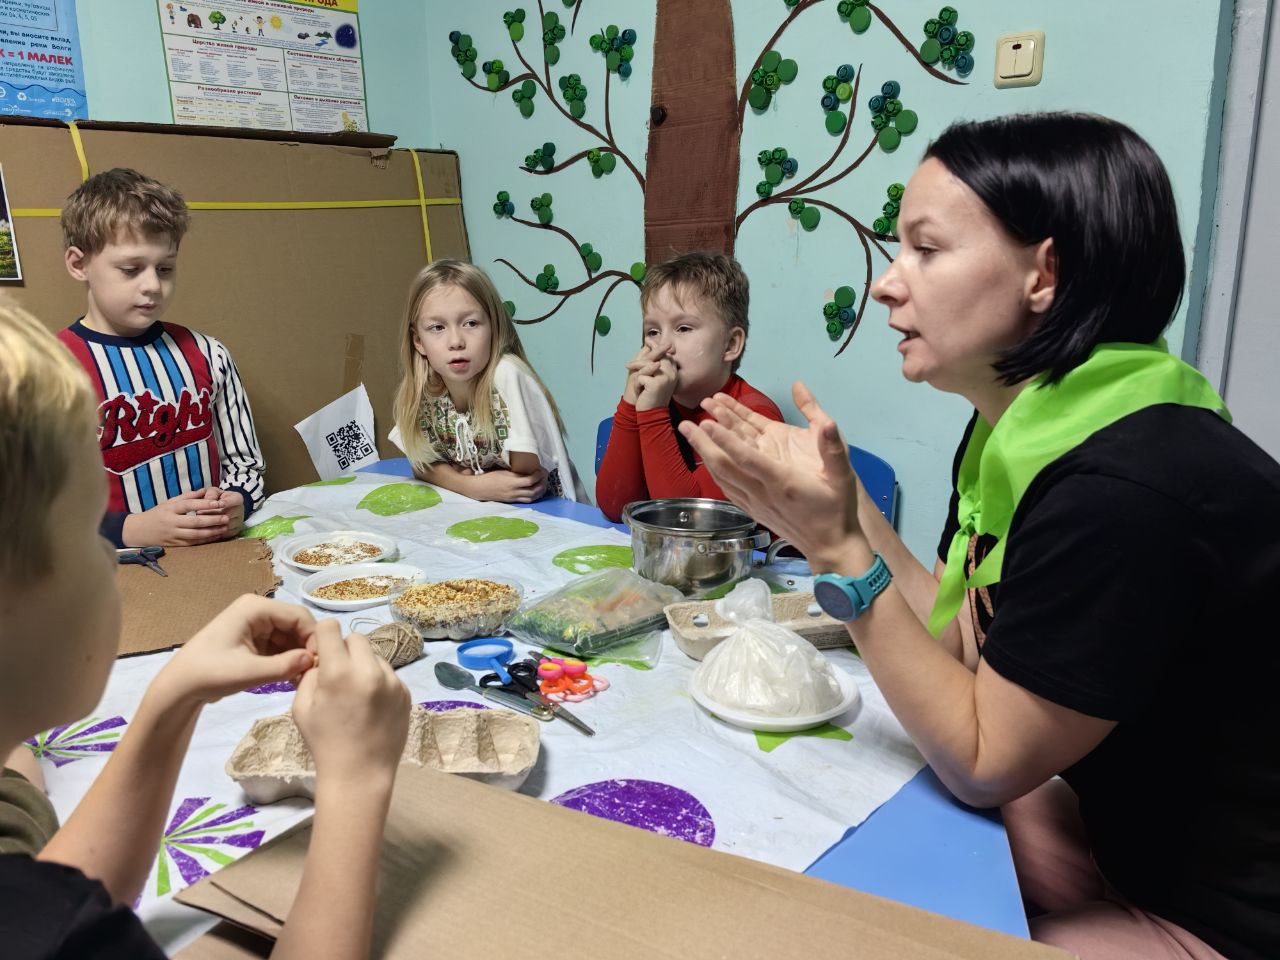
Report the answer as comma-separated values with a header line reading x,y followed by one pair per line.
x,y
396,643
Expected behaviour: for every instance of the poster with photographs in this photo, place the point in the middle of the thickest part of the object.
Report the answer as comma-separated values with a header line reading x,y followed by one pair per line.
x,y
10,266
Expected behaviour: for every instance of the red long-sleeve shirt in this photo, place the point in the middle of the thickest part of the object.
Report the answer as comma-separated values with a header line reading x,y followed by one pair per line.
x,y
647,458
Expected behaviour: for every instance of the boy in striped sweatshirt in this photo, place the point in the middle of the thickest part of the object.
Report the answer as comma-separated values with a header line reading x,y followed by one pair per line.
x,y
183,462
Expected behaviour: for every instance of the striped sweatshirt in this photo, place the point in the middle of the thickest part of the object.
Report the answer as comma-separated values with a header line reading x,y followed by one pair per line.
x,y
173,418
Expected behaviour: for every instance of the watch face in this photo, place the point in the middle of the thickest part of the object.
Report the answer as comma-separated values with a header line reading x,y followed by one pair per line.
x,y
833,600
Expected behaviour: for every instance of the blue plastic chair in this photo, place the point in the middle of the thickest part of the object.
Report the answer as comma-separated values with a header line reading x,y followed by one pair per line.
x,y
877,476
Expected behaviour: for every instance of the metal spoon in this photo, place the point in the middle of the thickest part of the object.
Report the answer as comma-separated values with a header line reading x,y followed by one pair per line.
x,y
455,678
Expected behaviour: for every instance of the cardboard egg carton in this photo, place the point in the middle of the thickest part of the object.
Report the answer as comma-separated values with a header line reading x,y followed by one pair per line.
x,y
499,747
697,627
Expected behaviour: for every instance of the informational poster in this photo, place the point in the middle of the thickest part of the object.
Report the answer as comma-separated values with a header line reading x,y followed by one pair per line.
x,y
268,64
10,265
40,70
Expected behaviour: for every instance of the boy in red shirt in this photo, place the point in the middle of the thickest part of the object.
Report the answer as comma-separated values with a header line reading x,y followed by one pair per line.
x,y
695,331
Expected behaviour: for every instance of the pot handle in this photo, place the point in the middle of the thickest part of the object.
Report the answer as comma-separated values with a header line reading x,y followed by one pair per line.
x,y
753,542
772,553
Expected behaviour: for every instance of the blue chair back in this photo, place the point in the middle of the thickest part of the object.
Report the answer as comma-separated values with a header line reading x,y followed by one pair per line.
x,y
602,439
879,480
877,476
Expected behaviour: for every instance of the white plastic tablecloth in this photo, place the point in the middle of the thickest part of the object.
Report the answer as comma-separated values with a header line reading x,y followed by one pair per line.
x,y
658,760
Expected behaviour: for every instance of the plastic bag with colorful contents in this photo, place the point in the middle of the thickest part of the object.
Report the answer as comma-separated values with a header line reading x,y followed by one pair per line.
x,y
612,615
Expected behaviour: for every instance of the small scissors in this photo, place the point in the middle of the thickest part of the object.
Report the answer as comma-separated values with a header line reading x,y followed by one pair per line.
x,y
564,675
524,682
524,678
145,556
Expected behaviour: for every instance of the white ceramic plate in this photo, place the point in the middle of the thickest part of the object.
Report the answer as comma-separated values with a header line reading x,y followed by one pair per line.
x,y
304,541
401,571
754,721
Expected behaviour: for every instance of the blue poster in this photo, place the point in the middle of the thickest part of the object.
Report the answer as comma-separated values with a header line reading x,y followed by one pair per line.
x,y
40,70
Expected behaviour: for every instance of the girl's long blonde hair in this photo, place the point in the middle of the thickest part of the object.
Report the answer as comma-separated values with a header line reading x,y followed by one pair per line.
x,y
419,382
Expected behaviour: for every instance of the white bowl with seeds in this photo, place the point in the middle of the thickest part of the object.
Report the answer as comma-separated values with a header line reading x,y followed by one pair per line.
x,y
457,609
336,548
358,586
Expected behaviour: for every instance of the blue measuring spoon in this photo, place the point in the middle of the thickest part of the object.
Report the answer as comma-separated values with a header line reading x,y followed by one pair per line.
x,y
487,655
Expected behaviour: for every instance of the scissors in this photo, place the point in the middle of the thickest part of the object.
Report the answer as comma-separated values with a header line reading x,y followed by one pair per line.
x,y
145,556
524,682
522,678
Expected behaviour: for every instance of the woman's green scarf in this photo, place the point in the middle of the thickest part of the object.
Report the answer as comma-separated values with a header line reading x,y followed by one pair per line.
x,y
1042,424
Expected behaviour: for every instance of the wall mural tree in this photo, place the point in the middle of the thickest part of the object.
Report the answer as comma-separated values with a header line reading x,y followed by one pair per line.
x,y
696,118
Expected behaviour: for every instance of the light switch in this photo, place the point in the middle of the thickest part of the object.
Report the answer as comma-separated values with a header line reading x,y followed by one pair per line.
x,y
1015,58
1019,58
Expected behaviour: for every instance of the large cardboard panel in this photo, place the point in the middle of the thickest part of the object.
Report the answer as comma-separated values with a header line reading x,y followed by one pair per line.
x,y
452,883
309,302
198,584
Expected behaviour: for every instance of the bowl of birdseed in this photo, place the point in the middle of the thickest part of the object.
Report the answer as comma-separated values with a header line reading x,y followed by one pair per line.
x,y
336,548
358,586
456,609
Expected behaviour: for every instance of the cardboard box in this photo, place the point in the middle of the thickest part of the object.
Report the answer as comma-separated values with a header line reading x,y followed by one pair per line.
x,y
309,302
465,866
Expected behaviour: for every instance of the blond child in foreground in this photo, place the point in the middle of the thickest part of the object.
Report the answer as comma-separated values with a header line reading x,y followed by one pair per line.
x,y
68,894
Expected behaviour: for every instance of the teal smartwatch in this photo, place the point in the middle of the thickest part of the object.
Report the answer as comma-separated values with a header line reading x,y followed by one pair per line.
x,y
846,598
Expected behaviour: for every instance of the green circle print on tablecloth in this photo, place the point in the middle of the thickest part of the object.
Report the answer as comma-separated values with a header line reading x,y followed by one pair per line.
x,y
271,527
395,498
601,556
335,482
488,529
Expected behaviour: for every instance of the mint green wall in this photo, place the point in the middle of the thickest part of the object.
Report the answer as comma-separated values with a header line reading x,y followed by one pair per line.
x,y
125,72
1154,65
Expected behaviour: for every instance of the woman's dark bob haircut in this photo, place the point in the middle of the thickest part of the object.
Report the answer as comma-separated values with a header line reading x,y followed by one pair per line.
x,y
1102,194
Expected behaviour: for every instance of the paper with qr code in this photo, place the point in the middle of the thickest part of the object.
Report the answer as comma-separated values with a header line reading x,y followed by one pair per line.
x,y
339,436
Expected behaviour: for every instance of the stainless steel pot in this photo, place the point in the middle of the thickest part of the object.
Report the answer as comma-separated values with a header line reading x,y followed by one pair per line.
x,y
694,545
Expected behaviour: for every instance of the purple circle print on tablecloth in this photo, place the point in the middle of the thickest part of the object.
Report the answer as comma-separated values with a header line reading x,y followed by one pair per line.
x,y
280,686
656,807
439,706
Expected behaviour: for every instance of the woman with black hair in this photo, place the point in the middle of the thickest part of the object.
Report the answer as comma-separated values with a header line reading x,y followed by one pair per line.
x,y
1101,602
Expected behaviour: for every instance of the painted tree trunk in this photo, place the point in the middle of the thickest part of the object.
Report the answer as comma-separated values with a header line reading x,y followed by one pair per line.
x,y
691,188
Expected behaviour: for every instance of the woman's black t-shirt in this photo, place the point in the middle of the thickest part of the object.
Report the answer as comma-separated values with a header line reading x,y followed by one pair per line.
x,y
1140,584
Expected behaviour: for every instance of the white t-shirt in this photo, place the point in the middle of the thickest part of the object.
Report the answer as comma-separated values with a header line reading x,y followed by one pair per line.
x,y
524,422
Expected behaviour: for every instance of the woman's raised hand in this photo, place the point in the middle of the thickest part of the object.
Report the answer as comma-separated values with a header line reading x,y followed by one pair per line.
x,y
796,481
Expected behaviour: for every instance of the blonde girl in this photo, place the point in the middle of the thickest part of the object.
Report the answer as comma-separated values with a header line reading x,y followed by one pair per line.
x,y
471,414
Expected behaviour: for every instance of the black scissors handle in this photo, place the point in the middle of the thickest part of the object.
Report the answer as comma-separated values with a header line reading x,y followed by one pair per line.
x,y
143,556
524,678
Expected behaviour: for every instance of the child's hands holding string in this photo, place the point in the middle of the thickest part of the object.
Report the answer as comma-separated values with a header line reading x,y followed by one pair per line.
x,y
351,708
252,642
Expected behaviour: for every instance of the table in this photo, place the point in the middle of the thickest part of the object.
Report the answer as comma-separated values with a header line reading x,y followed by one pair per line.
x,y
663,764
923,847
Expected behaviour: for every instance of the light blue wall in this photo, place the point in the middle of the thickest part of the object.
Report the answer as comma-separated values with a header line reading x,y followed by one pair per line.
x,y
1152,64
125,71
1155,65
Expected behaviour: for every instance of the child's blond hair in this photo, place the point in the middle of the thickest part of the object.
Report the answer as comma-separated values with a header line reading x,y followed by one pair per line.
x,y
418,381
717,278
45,401
122,202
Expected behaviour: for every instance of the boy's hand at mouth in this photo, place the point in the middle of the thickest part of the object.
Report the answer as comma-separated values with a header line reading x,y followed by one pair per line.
x,y
645,363
656,388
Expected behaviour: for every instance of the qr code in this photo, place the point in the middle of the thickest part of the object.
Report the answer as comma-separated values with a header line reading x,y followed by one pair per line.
x,y
349,444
